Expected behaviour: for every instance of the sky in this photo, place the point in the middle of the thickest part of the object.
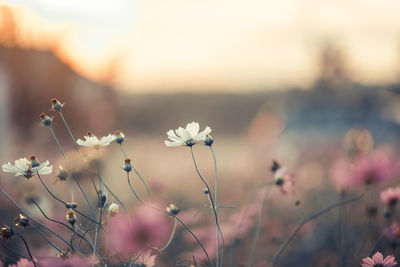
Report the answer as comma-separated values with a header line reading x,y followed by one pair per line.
x,y
224,45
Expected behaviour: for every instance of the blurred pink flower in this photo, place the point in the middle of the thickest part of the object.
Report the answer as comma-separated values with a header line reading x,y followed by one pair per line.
x,y
378,260
146,258
390,196
377,166
137,230
284,180
393,231
72,261
22,263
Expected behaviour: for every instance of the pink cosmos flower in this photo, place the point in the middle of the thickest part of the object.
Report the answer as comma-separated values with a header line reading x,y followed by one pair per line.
x,y
378,260
23,263
393,231
284,180
390,196
74,260
377,166
137,230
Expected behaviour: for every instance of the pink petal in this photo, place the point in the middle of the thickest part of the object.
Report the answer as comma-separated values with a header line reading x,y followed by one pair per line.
x,y
378,258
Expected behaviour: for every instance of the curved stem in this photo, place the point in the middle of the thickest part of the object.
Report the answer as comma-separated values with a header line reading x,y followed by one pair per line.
x,y
31,218
27,248
69,131
172,215
216,200
116,198
137,172
212,204
170,237
258,228
48,240
312,217
61,223
73,176
60,200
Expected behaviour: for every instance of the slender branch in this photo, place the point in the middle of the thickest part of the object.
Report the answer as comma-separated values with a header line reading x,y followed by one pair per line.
x,y
137,172
170,237
27,248
31,218
312,217
216,202
212,204
258,228
174,216
116,198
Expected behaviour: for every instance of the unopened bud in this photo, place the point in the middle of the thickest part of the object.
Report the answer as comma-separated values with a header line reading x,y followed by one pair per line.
x,y
174,210
62,174
6,232
21,220
71,217
209,140
206,191
34,161
128,165
46,120
113,209
119,136
56,105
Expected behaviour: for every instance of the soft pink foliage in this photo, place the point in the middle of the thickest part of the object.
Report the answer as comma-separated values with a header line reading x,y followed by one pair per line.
x,y
23,263
377,166
139,229
285,180
378,260
393,231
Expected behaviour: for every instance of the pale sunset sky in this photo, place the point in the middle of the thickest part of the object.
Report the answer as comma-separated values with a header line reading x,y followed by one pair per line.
x,y
205,45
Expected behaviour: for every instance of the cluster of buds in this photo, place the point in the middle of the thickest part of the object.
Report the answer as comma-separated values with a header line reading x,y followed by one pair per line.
x,y
6,232
21,221
172,209
102,199
72,205
209,140
46,120
62,173
127,165
119,136
113,209
56,105
71,217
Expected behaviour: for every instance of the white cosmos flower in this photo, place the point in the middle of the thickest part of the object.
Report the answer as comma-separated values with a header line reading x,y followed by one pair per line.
x,y
188,136
23,167
92,140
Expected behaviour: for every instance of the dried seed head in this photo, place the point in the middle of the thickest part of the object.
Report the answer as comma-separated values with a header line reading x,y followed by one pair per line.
x,y
71,217
174,210
6,232
56,105
46,120
128,165
21,221
102,199
119,136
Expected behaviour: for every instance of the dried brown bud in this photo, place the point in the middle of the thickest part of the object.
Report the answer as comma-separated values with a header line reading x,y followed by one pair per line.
x,y
71,217
56,105
6,232
21,221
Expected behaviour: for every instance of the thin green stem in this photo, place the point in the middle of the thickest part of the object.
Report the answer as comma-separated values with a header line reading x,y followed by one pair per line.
x,y
73,176
137,172
31,218
27,248
258,228
170,237
212,204
69,131
310,218
216,201
172,215
116,198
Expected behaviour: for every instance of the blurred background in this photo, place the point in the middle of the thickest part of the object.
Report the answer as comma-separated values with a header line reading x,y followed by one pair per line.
x,y
282,80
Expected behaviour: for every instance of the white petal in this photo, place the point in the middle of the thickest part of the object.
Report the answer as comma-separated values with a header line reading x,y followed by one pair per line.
x,y
80,142
171,135
46,170
193,129
22,164
168,143
183,133
202,135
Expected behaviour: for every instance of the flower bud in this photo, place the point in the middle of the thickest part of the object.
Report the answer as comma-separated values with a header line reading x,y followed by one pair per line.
x,y
62,174
72,205
102,199
71,217
174,210
113,209
6,232
46,120
56,105
119,136
34,161
206,191
209,140
275,166
128,165
21,220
